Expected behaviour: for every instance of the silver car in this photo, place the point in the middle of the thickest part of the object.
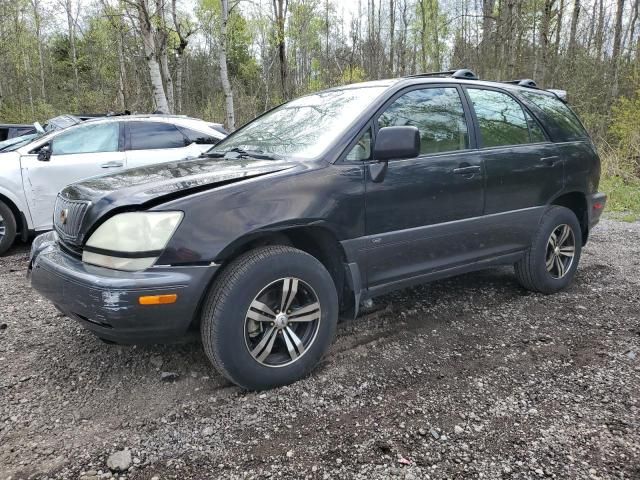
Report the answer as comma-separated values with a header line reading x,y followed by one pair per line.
x,y
32,173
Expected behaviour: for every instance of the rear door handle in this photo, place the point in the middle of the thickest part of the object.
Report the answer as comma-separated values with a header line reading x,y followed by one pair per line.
x,y
471,169
112,165
551,161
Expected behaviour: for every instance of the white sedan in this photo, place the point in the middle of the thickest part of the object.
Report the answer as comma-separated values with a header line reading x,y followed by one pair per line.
x,y
32,173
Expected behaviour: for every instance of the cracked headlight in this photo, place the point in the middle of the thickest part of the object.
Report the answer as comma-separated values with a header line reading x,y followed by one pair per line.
x,y
131,241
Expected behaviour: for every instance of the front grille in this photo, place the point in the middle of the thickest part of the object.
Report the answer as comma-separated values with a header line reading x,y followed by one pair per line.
x,y
67,218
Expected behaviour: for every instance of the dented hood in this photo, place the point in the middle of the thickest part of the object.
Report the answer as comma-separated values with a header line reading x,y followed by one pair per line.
x,y
142,185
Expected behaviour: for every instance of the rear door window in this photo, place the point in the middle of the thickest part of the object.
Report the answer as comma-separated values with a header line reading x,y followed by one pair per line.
x,y
563,118
154,135
436,112
200,138
501,120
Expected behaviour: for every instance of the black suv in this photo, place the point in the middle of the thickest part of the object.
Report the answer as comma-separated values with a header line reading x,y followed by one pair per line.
x,y
321,203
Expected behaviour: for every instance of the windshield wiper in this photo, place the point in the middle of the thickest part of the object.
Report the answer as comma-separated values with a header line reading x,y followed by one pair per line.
x,y
241,153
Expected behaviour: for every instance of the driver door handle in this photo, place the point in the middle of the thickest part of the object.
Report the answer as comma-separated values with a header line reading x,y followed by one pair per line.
x,y
113,164
467,170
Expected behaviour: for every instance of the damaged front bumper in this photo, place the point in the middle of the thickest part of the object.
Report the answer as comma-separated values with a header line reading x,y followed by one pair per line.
x,y
106,301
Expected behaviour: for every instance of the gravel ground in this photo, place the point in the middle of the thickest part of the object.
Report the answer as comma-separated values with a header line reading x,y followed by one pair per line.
x,y
471,377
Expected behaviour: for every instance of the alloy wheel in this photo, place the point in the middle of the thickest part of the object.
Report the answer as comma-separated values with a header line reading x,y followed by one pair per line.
x,y
561,248
282,322
3,228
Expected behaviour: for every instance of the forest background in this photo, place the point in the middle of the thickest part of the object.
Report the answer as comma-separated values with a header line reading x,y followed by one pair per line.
x,y
230,60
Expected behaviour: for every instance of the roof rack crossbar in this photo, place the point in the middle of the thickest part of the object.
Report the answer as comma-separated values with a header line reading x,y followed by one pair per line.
x,y
461,73
522,82
432,74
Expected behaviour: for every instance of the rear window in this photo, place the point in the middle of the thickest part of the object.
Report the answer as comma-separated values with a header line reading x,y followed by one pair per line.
x,y
565,122
154,135
199,137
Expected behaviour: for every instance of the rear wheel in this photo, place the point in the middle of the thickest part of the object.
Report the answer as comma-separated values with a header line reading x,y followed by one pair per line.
x,y
7,228
551,262
270,317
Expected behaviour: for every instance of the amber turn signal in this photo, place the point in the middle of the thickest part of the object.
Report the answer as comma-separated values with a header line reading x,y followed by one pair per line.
x,y
158,299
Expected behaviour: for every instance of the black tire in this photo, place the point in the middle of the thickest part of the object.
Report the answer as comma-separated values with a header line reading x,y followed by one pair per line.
x,y
223,329
8,221
531,271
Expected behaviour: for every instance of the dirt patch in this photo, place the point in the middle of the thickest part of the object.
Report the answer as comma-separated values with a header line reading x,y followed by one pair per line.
x,y
464,378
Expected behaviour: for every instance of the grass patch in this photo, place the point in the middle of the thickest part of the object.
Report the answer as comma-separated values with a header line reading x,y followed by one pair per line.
x,y
623,197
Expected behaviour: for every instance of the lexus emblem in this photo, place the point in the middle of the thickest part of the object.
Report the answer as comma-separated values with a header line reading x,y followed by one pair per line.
x,y
64,214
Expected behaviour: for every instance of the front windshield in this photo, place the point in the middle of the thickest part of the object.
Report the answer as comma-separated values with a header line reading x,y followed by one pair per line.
x,y
305,127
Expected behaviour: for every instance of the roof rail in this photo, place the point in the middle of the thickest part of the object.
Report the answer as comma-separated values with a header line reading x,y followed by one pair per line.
x,y
462,73
523,82
561,94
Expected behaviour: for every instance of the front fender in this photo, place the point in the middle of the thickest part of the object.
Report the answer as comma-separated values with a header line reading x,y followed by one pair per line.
x,y
331,197
11,184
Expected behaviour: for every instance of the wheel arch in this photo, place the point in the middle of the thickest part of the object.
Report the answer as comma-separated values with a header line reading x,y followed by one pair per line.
x,y
318,241
576,201
22,226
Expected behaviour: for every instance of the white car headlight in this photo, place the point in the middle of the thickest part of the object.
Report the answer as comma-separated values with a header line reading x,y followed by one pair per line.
x,y
131,241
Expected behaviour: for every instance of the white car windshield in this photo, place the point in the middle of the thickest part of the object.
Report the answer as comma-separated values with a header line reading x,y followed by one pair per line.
x,y
304,127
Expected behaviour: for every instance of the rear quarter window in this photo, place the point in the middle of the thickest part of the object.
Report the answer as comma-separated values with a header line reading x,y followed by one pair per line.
x,y
564,122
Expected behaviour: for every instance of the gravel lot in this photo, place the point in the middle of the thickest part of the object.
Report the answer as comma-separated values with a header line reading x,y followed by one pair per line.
x,y
471,377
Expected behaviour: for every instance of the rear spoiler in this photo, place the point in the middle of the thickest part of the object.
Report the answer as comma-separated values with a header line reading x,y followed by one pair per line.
x,y
561,94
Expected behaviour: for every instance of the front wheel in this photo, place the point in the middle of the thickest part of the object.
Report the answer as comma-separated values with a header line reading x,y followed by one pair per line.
x,y
552,259
7,228
270,317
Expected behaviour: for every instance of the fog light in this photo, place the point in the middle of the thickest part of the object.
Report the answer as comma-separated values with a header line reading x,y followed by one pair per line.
x,y
158,299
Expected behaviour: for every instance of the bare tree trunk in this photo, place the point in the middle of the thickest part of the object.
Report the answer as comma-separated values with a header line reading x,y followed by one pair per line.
x,y
168,80
224,74
558,28
487,33
544,38
148,40
574,25
71,23
162,36
122,72
617,33
392,22
615,54
38,25
434,7
178,93
632,29
592,25
600,30
280,10
26,62
423,37
183,37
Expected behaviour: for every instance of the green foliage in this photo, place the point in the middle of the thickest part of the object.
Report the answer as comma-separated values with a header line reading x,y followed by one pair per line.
x,y
623,197
625,125
353,74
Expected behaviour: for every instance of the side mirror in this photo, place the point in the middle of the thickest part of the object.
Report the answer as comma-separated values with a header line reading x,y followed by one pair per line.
x,y
44,154
396,143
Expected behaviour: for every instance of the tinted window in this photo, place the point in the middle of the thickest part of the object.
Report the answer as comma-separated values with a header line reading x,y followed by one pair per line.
x,y
559,113
362,149
102,137
438,115
536,133
500,118
198,137
151,135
